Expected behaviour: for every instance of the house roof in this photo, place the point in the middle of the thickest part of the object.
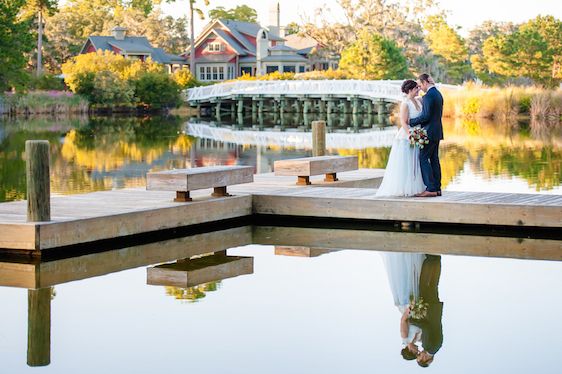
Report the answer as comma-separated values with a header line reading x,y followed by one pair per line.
x,y
135,45
215,58
233,43
249,28
300,42
281,47
284,58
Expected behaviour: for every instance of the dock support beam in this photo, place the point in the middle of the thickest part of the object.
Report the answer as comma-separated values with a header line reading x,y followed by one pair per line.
x,y
38,181
318,138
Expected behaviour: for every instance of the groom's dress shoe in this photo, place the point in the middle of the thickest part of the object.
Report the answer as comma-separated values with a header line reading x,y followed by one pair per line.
x,y
439,193
427,194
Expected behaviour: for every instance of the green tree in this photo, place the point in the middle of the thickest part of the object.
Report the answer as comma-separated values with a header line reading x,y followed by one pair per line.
x,y
15,42
292,28
374,57
240,13
450,48
39,8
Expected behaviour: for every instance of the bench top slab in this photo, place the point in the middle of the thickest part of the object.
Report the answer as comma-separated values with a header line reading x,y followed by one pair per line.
x,y
199,178
308,166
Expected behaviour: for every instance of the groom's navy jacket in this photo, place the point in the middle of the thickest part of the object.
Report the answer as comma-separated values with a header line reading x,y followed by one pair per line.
x,y
430,118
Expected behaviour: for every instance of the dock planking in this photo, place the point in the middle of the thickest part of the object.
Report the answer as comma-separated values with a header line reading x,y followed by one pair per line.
x,y
96,216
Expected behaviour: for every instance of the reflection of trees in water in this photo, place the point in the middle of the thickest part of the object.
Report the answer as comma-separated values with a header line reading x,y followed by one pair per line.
x,y
452,159
370,158
192,294
100,145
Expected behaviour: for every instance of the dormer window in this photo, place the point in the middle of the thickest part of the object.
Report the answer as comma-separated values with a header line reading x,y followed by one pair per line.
x,y
215,47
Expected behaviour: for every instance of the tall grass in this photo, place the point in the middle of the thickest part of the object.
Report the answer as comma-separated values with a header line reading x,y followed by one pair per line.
x,y
45,102
477,102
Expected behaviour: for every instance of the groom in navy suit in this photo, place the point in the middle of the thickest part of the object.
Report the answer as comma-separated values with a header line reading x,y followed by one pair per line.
x,y
430,120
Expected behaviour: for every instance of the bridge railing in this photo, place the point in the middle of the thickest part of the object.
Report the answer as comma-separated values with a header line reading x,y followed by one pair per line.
x,y
374,89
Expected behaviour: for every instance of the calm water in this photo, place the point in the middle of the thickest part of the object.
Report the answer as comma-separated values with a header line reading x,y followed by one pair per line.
x,y
328,314
332,312
104,153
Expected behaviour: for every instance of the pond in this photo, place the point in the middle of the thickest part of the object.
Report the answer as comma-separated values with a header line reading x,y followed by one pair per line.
x,y
92,154
255,299
293,309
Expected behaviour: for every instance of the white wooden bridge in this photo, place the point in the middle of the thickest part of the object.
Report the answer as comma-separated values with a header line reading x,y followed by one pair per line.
x,y
322,96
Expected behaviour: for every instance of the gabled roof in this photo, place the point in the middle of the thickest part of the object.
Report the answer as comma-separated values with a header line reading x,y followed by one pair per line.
x,y
249,28
233,43
281,47
133,45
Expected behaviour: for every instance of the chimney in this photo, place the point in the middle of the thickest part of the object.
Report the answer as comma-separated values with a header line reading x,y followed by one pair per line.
x,y
119,32
275,19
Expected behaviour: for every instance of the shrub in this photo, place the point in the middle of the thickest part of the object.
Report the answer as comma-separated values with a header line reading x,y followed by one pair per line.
x,y
185,79
108,89
47,82
157,90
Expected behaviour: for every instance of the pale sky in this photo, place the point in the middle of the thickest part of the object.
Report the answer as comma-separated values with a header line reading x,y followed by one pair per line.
x,y
464,13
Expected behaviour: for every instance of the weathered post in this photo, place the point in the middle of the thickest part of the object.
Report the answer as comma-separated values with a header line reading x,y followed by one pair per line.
x,y
39,327
318,138
38,182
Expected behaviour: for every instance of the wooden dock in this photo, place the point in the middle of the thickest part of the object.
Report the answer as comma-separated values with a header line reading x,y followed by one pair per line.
x,y
91,217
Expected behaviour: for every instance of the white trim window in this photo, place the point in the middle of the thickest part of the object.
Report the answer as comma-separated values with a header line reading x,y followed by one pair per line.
x,y
214,72
215,47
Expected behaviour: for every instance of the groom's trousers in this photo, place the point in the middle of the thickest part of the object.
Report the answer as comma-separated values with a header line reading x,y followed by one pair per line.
x,y
430,167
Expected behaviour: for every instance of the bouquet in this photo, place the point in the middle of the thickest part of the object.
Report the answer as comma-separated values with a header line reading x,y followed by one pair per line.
x,y
418,309
418,136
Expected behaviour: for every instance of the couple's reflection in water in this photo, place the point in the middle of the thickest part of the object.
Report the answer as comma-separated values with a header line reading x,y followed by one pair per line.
x,y
414,281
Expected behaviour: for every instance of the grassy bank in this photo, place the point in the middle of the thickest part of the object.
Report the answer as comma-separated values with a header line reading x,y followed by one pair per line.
x,y
503,104
43,102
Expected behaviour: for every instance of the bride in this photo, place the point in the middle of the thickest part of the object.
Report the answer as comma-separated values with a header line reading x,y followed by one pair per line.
x,y
402,176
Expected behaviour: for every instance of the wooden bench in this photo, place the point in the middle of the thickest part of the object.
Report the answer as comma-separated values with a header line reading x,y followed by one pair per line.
x,y
185,180
305,167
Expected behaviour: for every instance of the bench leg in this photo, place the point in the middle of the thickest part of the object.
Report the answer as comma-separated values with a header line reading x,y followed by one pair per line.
x,y
331,177
303,181
182,197
220,192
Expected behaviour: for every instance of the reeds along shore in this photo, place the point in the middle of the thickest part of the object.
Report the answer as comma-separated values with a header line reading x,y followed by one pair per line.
x,y
503,104
43,102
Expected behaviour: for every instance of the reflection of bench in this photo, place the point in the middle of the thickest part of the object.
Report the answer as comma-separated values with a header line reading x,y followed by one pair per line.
x,y
303,168
185,180
190,273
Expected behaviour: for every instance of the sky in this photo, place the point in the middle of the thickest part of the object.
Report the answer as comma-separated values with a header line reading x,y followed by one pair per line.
x,y
463,13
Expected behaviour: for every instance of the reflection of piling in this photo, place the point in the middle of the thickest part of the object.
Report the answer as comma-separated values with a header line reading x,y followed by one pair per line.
x,y
318,138
38,183
39,327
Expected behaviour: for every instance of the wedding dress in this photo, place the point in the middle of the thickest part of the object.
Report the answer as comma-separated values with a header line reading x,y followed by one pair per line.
x,y
403,271
402,176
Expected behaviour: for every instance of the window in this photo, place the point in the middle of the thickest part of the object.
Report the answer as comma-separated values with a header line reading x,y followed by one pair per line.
x,y
301,69
202,73
271,69
246,70
215,73
230,72
209,77
215,47
289,69
221,73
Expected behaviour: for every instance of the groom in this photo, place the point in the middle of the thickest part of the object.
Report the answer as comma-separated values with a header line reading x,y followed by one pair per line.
x,y
430,120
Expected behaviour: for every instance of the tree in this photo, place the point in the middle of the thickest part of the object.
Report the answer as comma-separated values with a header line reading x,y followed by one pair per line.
x,y
39,8
241,13
192,10
15,42
478,35
292,28
447,44
374,57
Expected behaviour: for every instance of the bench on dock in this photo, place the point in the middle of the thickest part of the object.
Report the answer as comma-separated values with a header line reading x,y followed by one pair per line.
x,y
305,167
185,180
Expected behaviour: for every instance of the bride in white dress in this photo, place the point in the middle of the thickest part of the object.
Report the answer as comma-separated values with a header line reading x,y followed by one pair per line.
x,y
402,176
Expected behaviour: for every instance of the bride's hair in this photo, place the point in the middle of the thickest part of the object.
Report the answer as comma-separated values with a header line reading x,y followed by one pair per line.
x,y
408,85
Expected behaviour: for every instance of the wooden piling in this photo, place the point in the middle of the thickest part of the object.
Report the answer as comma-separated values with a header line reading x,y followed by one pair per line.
x,y
318,138
38,182
39,327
